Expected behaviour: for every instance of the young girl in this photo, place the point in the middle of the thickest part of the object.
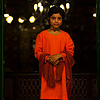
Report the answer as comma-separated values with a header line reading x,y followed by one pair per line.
x,y
54,49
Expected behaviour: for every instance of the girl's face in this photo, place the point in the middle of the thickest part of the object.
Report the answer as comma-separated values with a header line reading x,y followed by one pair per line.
x,y
55,20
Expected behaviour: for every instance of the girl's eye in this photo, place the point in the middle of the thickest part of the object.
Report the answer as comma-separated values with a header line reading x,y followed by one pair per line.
x,y
59,18
53,17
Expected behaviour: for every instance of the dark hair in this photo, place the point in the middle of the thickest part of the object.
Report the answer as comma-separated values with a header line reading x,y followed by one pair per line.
x,y
55,10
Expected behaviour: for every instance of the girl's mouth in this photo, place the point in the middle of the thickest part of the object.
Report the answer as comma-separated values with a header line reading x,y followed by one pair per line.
x,y
56,24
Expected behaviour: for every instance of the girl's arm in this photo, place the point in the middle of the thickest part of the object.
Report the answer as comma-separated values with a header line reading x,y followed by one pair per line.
x,y
69,44
38,46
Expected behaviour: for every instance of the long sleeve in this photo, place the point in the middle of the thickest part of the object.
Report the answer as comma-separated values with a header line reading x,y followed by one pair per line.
x,y
69,46
38,46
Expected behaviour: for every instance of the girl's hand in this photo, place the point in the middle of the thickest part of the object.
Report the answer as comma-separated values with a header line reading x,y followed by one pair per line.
x,y
55,57
56,63
52,59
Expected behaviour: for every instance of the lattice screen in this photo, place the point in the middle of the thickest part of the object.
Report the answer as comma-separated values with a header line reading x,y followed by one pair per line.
x,y
28,87
79,87
83,87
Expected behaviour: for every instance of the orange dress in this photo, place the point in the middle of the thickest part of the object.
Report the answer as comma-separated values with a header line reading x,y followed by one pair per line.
x,y
53,44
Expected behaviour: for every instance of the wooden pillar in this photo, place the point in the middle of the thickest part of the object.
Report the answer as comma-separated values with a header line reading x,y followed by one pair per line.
x,y
1,53
98,48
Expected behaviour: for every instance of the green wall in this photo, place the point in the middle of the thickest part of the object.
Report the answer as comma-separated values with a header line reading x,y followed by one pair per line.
x,y
98,47
1,53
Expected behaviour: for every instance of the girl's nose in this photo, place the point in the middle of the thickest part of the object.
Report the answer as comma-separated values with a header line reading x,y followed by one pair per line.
x,y
56,20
